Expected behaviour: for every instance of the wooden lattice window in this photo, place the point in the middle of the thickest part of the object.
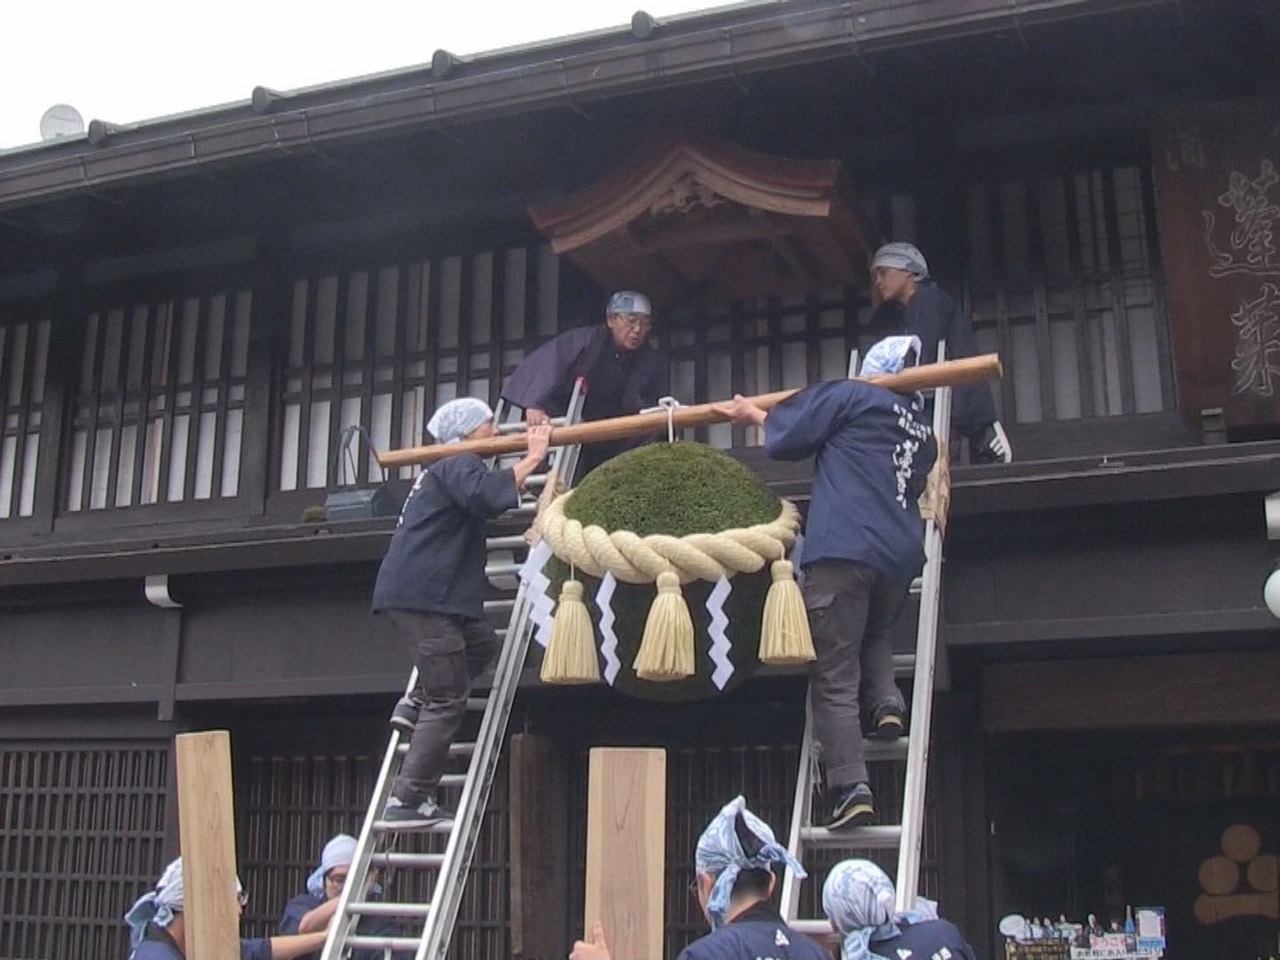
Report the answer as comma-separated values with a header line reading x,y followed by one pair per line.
x,y
24,354
292,805
1063,281
159,406
383,347
81,837
761,346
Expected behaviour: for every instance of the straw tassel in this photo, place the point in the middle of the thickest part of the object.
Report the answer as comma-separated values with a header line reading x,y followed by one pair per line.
x,y
784,628
571,652
666,651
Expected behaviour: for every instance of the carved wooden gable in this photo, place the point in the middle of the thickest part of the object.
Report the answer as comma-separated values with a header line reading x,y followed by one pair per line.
x,y
686,219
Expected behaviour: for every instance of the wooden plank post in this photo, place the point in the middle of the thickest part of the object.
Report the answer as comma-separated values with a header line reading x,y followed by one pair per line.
x,y
206,822
538,779
626,849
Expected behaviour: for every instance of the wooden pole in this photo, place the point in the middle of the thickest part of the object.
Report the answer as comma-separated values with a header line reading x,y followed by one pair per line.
x,y
626,849
949,373
206,822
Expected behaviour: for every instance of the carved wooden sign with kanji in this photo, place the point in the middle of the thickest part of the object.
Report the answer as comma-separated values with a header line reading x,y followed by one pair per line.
x,y
1217,173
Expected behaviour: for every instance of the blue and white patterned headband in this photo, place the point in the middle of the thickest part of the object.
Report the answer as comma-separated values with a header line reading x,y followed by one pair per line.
x,y
457,418
858,900
338,852
720,854
890,355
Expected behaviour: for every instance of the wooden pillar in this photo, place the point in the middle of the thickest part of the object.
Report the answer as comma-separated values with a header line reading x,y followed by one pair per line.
x,y
538,784
626,855
206,817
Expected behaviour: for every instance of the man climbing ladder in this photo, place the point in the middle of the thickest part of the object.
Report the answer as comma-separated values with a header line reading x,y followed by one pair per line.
x,y
432,585
862,549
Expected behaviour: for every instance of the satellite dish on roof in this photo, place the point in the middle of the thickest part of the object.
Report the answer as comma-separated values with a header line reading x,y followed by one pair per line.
x,y
61,120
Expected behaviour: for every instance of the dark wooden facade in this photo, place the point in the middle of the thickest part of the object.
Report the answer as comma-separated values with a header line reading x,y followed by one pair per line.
x,y
182,342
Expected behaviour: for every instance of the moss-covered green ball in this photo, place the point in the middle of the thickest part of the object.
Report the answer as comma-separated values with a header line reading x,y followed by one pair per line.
x,y
676,489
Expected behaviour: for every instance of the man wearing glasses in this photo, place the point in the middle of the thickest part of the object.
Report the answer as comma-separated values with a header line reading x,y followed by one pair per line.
x,y
311,911
623,373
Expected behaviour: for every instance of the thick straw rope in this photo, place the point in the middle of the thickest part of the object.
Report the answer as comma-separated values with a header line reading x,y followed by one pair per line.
x,y
698,556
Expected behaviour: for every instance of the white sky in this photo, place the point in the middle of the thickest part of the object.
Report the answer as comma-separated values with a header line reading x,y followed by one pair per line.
x,y
129,60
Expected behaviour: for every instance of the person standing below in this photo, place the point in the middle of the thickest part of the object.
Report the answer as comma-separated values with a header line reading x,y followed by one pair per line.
x,y
864,544
912,303
432,585
734,882
312,911
858,900
623,371
158,927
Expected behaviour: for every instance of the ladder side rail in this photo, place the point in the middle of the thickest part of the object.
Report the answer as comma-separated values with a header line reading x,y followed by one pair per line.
x,y
450,884
913,795
801,815
358,876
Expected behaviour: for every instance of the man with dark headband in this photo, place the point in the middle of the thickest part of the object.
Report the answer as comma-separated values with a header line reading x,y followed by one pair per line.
x,y
913,304
623,373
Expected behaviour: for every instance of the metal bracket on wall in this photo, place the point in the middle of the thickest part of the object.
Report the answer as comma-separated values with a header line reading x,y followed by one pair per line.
x,y
1213,425
157,592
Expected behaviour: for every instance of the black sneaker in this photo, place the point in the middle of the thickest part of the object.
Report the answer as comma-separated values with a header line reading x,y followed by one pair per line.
x,y
428,813
886,722
854,806
405,716
990,445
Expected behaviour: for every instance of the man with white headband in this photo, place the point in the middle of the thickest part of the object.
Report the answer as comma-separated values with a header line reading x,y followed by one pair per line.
x,y
913,303
158,929
624,373
858,900
313,910
432,586
863,545
734,881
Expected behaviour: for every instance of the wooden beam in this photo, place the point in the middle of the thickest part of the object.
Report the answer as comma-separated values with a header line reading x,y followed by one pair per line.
x,y
538,785
1204,689
206,818
949,373
626,855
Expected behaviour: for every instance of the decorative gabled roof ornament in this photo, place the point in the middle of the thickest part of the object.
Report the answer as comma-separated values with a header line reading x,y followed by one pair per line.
x,y
693,219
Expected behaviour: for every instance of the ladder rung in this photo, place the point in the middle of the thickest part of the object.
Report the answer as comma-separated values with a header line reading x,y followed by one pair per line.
x,y
526,509
502,569
477,703
514,542
504,603
518,426
535,480
904,664
378,908
818,929
398,944
444,826
453,780
406,859
880,750
917,586
455,749
856,838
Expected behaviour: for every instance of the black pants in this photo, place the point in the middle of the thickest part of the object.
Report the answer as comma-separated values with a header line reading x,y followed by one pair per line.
x,y
449,652
851,608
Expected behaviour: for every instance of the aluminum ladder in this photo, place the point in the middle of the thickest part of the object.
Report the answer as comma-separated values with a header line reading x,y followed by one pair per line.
x,y
908,836
450,868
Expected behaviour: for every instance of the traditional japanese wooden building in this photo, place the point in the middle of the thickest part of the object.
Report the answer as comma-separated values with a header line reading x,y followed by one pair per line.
x,y
192,309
